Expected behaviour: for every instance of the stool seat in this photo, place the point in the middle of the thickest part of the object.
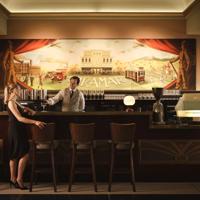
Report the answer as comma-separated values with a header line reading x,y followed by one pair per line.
x,y
43,146
84,146
124,146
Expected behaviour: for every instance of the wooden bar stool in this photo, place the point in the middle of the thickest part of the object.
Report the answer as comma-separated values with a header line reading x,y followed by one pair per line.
x,y
82,136
122,136
42,142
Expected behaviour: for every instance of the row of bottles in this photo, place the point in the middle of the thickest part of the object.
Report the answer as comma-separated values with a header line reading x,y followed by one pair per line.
x,y
93,94
26,94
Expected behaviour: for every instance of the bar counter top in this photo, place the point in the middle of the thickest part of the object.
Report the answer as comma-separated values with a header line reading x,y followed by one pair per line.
x,y
175,126
147,114
96,113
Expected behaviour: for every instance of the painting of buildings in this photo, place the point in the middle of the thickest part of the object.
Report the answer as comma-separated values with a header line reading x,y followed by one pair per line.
x,y
108,64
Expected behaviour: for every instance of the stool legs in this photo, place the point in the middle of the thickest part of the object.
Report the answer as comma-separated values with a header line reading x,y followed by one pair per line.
x,y
93,167
71,176
132,170
32,166
111,167
53,168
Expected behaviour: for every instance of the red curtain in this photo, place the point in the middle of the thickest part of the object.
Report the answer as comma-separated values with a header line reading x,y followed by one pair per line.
x,y
22,46
163,45
30,45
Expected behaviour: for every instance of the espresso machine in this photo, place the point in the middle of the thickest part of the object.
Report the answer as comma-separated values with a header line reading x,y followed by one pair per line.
x,y
158,108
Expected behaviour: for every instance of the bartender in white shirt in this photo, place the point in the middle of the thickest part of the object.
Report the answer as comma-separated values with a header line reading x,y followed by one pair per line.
x,y
72,98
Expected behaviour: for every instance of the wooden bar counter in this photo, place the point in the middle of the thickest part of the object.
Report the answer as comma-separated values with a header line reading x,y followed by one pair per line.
x,y
162,152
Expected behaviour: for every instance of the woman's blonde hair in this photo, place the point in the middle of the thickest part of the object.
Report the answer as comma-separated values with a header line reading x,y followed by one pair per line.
x,y
9,90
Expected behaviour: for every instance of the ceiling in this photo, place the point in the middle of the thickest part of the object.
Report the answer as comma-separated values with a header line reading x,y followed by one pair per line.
x,y
59,6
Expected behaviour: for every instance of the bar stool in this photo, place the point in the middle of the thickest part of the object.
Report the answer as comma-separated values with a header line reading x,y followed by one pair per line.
x,y
82,136
122,136
1,156
42,142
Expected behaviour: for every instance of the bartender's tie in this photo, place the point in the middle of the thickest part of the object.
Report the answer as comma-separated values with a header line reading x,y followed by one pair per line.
x,y
71,94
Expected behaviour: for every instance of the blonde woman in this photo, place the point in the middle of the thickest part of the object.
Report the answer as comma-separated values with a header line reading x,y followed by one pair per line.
x,y
17,136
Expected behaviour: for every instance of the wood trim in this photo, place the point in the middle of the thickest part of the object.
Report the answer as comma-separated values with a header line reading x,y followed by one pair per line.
x,y
100,15
4,10
189,9
174,152
96,15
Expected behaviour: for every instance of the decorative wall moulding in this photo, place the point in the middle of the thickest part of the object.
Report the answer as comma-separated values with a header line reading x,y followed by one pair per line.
x,y
100,15
95,16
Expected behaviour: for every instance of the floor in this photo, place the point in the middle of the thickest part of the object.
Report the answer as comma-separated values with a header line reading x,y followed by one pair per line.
x,y
117,189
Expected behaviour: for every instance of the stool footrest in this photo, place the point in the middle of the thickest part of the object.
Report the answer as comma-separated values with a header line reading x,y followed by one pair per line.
x,y
83,171
43,170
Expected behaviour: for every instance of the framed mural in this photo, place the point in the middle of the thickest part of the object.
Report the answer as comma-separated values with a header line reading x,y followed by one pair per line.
x,y
107,64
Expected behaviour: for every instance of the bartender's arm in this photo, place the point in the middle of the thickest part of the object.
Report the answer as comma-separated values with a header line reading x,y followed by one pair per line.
x,y
57,98
82,103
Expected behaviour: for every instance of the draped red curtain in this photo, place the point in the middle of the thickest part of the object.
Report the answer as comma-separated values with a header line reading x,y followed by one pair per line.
x,y
163,45
30,45
22,46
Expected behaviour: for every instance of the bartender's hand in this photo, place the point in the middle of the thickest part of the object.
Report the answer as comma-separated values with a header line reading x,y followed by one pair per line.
x,y
48,101
40,124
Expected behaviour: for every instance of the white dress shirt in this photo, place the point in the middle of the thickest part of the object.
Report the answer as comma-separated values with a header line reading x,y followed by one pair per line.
x,y
74,103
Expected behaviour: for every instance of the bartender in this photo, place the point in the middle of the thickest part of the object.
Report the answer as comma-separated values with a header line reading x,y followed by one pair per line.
x,y
72,98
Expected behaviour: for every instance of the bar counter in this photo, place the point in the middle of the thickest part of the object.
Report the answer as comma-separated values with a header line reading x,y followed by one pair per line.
x,y
101,119
162,152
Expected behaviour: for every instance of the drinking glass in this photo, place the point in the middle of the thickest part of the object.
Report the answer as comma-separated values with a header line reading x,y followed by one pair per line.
x,y
43,105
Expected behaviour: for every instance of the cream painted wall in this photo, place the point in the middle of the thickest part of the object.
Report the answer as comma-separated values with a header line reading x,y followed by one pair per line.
x,y
3,24
198,64
192,28
192,21
96,28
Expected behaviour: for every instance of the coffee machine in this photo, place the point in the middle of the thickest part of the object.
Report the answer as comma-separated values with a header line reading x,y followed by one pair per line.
x,y
158,108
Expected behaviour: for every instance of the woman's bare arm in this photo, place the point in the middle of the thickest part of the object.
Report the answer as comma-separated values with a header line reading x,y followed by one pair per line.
x,y
29,111
13,108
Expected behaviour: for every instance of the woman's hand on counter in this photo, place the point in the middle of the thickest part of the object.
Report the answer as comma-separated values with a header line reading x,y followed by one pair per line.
x,y
40,124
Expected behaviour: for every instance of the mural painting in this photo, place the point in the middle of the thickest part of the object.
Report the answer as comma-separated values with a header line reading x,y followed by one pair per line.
x,y
106,64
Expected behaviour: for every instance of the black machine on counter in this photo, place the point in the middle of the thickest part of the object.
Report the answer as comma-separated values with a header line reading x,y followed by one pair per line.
x,y
158,108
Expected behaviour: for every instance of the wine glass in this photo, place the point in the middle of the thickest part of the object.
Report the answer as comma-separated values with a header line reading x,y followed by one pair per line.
x,y
102,94
95,94
86,94
43,105
91,94
98,93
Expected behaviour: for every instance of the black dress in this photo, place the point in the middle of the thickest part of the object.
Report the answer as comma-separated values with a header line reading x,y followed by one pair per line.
x,y
17,137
